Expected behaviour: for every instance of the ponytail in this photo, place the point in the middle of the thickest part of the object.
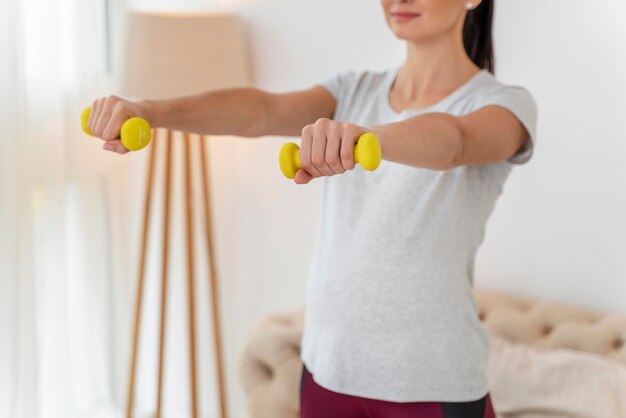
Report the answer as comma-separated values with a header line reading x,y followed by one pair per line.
x,y
477,35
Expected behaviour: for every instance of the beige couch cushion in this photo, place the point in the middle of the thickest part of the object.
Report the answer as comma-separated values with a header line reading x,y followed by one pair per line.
x,y
527,382
546,324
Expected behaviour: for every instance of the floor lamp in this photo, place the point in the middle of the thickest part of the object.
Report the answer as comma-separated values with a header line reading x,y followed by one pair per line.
x,y
171,55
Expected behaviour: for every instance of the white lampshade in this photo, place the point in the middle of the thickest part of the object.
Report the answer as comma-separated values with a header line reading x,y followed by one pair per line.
x,y
170,55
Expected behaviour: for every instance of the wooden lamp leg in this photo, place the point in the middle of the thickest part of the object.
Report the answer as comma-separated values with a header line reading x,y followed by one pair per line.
x,y
140,279
190,280
213,281
165,259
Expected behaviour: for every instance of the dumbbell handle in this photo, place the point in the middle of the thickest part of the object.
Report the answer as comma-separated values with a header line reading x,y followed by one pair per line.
x,y
366,152
135,133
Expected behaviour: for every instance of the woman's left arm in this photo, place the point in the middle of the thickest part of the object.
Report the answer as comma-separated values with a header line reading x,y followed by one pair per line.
x,y
441,141
437,141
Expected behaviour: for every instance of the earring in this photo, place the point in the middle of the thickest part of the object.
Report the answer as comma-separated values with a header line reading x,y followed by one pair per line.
x,y
469,5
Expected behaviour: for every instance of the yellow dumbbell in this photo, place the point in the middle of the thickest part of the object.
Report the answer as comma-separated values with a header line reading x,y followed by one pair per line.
x,y
135,133
366,152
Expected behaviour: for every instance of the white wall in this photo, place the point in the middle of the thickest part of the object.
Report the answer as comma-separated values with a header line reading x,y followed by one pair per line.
x,y
558,231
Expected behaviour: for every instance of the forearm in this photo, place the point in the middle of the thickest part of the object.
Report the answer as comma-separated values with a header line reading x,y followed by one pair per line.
x,y
238,111
433,140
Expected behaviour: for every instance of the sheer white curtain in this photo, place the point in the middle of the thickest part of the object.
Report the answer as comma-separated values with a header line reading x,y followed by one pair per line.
x,y
56,293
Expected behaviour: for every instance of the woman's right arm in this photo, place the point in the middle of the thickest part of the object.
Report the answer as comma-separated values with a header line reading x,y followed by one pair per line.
x,y
247,112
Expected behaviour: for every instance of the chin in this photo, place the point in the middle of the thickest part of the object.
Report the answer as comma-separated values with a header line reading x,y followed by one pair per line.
x,y
409,35
413,33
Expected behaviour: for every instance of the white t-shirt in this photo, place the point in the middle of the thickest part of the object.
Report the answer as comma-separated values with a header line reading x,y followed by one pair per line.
x,y
390,312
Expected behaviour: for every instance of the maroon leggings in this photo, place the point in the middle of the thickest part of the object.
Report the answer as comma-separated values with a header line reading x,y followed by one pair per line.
x,y
318,402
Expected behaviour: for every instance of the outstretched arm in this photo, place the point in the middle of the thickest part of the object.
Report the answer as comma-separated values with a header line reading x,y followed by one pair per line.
x,y
441,141
437,141
247,112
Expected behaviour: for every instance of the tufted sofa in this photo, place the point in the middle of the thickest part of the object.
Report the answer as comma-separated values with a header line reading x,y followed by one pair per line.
x,y
270,366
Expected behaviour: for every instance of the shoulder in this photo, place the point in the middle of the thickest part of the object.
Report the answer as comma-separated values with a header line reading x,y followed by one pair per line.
x,y
516,99
489,91
493,91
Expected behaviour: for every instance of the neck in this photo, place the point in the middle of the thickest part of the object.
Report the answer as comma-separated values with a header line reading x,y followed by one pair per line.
x,y
434,68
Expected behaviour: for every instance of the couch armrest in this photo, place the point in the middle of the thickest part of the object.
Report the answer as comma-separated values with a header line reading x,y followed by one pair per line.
x,y
270,366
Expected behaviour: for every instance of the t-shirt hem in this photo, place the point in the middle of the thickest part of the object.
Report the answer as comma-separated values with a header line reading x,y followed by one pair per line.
x,y
421,395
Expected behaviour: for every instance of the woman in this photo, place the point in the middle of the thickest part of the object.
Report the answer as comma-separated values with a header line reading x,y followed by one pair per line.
x,y
391,327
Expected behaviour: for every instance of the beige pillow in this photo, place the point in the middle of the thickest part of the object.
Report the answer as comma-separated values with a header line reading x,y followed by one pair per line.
x,y
531,383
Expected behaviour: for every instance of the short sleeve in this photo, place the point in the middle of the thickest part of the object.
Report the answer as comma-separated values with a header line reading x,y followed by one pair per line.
x,y
336,84
343,87
519,102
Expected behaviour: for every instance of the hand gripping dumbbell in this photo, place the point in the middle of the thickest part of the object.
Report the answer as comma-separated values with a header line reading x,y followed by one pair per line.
x,y
135,133
366,152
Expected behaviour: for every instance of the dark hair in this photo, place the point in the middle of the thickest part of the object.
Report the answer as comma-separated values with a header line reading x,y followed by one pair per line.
x,y
477,35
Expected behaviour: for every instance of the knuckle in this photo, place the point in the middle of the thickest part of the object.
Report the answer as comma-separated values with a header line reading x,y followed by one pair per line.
x,y
119,106
322,121
306,163
333,160
108,135
339,169
347,162
317,160
307,129
96,107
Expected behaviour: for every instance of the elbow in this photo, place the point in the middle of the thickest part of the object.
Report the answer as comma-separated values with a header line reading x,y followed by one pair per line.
x,y
455,157
254,120
266,112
